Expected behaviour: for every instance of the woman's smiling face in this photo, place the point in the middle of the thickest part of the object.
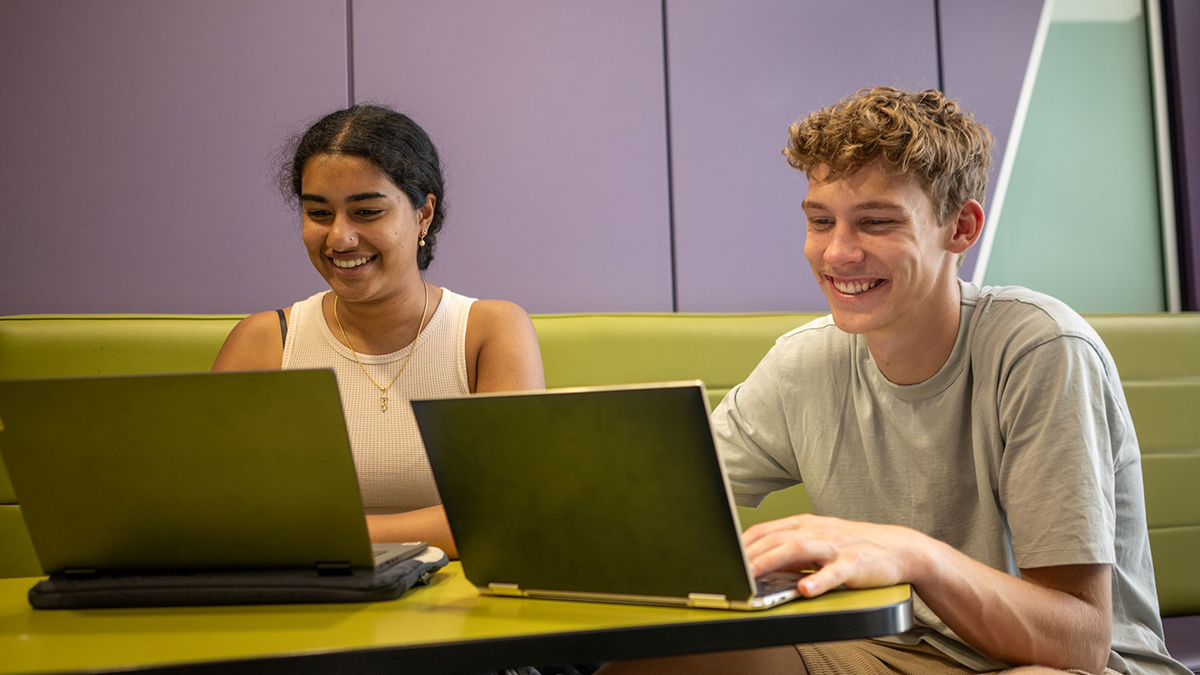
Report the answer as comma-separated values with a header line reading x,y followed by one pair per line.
x,y
360,229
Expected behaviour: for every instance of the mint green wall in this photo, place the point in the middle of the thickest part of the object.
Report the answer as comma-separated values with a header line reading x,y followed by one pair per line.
x,y
1081,217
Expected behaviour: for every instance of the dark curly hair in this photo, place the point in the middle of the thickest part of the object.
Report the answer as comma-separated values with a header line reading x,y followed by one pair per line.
x,y
391,140
918,134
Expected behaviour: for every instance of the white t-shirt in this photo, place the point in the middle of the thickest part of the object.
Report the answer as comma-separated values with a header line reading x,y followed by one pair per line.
x,y
1019,452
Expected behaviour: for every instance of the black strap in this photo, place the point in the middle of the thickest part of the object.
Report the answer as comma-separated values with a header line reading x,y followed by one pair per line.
x,y
283,325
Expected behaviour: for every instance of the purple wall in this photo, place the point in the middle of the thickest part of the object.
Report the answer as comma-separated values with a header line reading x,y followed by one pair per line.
x,y
136,136
740,74
985,51
550,119
1183,19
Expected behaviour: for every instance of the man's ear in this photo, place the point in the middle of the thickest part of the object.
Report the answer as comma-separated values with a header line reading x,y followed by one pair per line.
x,y
965,227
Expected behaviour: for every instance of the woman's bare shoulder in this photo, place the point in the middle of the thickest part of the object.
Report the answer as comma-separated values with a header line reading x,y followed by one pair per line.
x,y
501,338
493,315
255,343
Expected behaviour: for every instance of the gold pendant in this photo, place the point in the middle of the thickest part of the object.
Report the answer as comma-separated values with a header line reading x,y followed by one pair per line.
x,y
382,403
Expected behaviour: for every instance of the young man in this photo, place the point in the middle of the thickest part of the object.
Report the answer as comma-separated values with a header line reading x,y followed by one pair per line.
x,y
974,442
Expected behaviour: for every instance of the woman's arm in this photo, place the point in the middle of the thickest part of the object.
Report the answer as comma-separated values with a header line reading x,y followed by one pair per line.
x,y
427,524
256,343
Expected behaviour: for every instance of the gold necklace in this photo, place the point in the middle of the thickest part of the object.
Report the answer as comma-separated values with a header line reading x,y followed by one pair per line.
x,y
383,399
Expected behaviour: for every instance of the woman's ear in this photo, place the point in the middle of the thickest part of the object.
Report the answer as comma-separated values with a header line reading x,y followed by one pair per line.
x,y
425,213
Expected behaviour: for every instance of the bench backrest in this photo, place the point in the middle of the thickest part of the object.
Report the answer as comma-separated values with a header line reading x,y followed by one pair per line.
x,y
1158,357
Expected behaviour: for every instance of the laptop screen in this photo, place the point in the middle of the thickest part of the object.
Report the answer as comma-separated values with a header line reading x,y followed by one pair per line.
x,y
615,490
194,471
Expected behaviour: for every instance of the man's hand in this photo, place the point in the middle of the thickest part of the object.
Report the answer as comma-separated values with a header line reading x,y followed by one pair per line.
x,y
844,552
1054,616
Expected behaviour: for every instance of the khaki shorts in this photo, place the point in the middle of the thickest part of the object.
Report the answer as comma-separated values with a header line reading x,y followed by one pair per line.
x,y
875,658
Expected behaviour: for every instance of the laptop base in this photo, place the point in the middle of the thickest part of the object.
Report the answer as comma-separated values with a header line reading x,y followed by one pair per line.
x,y
80,590
773,589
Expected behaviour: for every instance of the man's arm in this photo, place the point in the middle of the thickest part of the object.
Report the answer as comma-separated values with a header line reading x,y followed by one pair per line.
x,y
751,432
1055,616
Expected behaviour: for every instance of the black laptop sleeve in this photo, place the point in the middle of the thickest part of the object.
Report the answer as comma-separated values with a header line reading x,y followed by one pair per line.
x,y
179,589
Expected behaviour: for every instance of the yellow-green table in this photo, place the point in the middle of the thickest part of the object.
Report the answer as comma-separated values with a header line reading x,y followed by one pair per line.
x,y
445,627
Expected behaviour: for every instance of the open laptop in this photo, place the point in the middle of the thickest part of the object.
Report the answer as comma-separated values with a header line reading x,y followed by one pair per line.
x,y
207,471
608,494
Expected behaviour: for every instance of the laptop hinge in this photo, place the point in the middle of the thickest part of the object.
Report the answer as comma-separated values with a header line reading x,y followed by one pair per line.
x,y
334,569
708,600
81,573
498,588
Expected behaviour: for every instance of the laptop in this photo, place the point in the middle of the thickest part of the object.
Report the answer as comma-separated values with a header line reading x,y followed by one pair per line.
x,y
612,494
213,472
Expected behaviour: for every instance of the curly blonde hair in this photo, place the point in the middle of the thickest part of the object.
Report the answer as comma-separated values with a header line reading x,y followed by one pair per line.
x,y
918,134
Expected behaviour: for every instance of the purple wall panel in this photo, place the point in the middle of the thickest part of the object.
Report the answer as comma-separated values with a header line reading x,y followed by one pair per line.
x,y
740,74
156,145
137,138
985,52
1185,17
550,118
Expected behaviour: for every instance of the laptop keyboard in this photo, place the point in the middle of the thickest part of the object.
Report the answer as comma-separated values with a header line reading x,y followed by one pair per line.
x,y
390,556
386,563
776,582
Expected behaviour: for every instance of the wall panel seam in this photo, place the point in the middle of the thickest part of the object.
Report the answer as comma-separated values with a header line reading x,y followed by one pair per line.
x,y
1162,138
1189,299
670,172
937,38
349,53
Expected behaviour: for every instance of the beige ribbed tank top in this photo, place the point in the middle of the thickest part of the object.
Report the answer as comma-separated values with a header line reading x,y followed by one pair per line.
x,y
393,469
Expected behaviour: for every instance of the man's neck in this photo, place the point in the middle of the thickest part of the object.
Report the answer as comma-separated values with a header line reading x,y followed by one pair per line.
x,y
916,351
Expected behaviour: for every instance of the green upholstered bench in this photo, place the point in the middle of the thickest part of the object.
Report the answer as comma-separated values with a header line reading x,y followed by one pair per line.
x,y
1158,357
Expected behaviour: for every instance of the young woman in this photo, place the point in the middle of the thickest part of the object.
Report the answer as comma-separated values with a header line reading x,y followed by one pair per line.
x,y
370,190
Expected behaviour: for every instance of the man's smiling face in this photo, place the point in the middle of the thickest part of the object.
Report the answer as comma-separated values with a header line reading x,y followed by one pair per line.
x,y
878,251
